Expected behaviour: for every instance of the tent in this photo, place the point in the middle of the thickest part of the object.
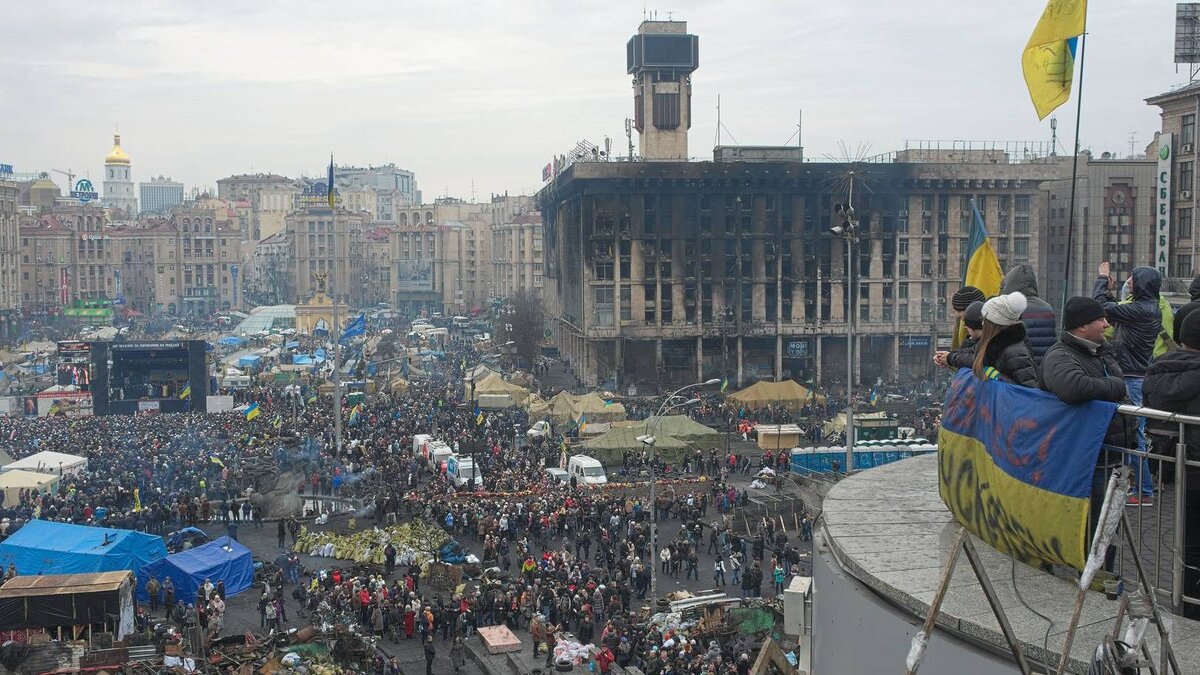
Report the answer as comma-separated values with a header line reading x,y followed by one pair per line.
x,y
220,559
46,547
494,384
610,447
249,360
12,482
49,461
231,341
788,394
566,408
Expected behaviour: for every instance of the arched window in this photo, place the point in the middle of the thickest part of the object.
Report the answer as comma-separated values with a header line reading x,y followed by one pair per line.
x,y
429,217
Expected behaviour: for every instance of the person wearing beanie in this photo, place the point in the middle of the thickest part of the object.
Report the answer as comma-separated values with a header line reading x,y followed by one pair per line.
x,y
1041,326
1173,384
963,298
964,356
1002,353
1138,324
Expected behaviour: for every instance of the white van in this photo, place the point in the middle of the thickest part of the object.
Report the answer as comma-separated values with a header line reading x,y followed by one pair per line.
x,y
460,321
462,471
586,470
439,452
419,443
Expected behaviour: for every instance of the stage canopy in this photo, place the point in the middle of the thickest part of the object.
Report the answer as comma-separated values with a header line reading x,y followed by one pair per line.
x,y
45,547
220,559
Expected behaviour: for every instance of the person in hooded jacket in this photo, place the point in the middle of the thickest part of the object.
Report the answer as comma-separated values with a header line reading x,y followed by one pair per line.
x,y
1182,312
1002,353
1138,324
1041,326
1173,384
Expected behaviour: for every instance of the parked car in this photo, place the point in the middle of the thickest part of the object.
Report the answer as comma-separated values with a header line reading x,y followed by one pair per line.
x,y
539,430
188,537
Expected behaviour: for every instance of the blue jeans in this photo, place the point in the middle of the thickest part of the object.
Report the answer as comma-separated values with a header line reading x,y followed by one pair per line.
x,y
1140,466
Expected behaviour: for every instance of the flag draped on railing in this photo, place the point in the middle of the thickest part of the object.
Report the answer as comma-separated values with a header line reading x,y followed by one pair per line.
x,y
1015,467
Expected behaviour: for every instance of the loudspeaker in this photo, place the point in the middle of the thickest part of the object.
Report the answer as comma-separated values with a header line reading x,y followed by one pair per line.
x,y
198,374
99,378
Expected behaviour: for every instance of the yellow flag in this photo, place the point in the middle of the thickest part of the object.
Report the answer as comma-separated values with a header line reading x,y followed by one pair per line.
x,y
1048,61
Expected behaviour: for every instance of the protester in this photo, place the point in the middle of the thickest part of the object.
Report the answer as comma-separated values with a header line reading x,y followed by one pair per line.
x,y
1002,352
1040,323
1173,384
964,355
1138,324
1182,312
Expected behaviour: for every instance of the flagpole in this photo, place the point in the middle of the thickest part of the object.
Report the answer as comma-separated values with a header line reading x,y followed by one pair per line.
x,y
1074,177
337,371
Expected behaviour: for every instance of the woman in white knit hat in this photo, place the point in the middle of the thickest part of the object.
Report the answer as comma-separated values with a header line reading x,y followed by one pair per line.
x,y
1002,353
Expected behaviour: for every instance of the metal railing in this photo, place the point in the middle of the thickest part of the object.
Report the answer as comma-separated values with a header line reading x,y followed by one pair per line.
x,y
1148,522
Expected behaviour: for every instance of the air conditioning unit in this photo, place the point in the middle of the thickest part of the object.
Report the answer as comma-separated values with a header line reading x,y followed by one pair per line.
x,y
1187,148
1185,194
904,213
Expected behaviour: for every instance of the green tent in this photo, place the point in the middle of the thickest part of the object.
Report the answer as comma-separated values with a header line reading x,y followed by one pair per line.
x,y
610,446
674,435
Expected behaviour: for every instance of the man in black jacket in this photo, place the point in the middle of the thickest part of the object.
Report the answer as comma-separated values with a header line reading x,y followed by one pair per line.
x,y
1182,312
1173,384
1040,323
1138,325
1082,366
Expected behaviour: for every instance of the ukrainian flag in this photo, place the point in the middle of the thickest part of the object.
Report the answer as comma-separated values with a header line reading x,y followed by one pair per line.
x,y
1015,467
187,392
874,395
253,411
479,419
277,422
1048,61
983,267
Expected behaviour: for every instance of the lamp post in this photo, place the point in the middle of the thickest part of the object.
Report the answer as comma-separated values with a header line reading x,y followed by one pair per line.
x,y
648,440
848,230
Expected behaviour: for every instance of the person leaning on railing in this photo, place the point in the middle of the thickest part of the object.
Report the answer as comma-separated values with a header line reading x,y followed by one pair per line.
x,y
1173,384
1082,366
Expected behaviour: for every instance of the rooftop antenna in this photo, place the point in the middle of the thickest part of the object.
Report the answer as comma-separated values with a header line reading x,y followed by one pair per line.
x,y
1132,143
472,190
1053,136
718,139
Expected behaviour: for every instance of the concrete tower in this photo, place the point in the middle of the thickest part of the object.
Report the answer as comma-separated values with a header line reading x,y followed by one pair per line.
x,y
118,183
661,58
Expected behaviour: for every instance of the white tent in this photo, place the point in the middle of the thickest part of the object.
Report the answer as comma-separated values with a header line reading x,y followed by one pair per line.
x,y
49,462
12,482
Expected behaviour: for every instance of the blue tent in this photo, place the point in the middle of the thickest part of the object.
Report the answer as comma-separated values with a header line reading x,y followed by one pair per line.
x,y
219,559
231,341
249,360
45,547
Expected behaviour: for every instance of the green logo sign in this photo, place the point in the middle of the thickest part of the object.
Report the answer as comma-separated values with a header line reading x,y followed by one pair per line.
x,y
1164,152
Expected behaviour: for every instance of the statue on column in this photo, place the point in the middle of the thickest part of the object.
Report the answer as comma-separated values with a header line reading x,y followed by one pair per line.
x,y
322,278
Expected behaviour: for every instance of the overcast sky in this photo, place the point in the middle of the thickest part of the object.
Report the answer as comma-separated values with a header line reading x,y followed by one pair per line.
x,y
488,91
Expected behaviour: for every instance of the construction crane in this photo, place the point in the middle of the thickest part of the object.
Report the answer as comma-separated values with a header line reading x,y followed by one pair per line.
x,y
70,177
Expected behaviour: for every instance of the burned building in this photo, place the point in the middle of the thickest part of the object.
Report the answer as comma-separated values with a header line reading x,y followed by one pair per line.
x,y
662,273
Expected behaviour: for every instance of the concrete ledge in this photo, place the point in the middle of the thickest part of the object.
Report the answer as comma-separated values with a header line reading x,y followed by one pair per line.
x,y
888,529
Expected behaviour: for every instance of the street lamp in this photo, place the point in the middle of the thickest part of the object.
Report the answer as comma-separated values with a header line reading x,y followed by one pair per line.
x,y
649,440
848,230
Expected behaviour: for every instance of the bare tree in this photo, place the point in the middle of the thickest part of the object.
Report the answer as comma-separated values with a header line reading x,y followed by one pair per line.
x,y
522,321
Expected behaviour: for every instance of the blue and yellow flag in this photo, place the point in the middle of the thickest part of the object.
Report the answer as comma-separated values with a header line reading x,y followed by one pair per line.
x,y
187,392
1015,467
252,411
277,422
874,395
216,460
479,419
1048,61
724,385
983,267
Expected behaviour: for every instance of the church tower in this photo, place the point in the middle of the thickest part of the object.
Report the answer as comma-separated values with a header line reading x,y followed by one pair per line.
x,y
118,181
661,58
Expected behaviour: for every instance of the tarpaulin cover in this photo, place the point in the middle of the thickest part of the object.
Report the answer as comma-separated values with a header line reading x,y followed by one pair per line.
x,y
44,547
220,559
